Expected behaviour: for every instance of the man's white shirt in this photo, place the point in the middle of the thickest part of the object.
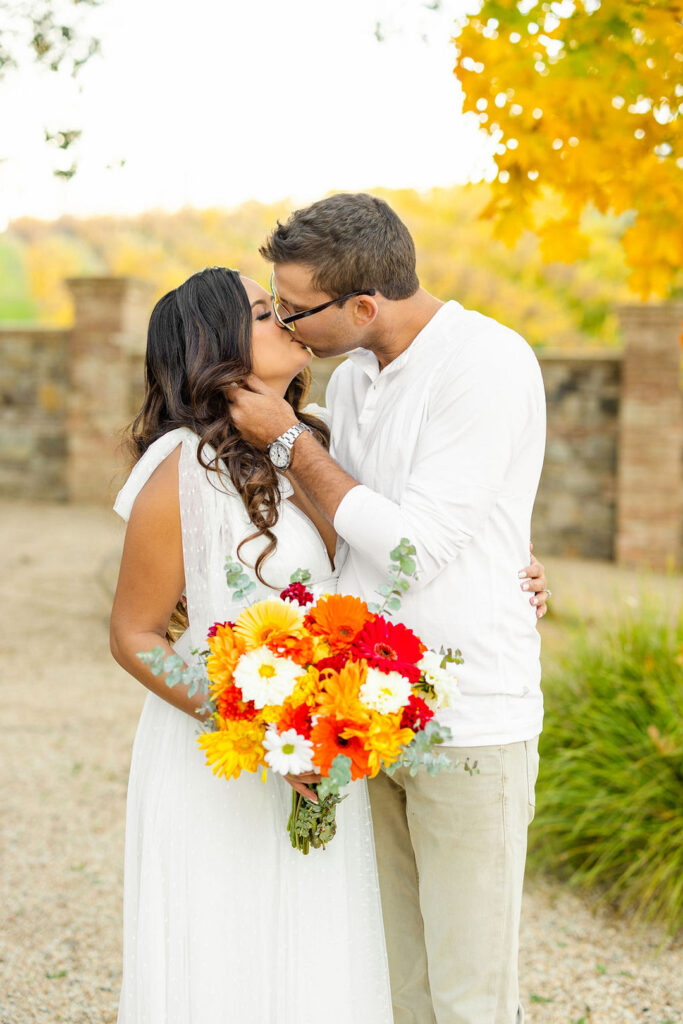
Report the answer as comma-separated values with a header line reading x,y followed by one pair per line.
x,y
447,444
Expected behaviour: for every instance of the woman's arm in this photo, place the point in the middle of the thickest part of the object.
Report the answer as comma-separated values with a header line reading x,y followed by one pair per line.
x,y
151,580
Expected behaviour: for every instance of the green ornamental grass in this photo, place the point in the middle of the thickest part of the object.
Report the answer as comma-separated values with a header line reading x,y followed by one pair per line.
x,y
609,807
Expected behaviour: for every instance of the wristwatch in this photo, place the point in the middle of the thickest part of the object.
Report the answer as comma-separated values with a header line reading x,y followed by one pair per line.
x,y
280,451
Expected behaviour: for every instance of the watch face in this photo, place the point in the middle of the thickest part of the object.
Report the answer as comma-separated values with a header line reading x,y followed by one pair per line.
x,y
279,455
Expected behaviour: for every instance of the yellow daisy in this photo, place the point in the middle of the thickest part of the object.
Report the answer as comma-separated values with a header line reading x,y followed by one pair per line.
x,y
234,748
307,689
268,621
271,713
384,739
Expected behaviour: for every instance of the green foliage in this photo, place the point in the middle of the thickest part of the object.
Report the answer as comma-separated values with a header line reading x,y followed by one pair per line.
x,y
177,673
609,811
300,576
52,35
338,776
451,657
402,564
422,753
237,580
16,302
47,32
313,824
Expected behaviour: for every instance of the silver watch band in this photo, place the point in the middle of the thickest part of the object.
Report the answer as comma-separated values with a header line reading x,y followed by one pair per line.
x,y
290,436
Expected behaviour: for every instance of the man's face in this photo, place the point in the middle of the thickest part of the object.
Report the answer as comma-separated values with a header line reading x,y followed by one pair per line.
x,y
332,331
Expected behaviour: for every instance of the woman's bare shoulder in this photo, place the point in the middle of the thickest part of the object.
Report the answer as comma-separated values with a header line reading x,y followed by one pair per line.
x,y
158,497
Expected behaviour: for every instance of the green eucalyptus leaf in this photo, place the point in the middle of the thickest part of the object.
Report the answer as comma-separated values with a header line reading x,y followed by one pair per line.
x,y
300,576
338,776
154,659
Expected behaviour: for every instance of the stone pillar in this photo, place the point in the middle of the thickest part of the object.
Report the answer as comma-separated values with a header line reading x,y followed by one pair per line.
x,y
650,483
110,325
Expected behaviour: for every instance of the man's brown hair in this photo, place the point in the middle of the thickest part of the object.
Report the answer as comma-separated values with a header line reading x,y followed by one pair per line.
x,y
350,241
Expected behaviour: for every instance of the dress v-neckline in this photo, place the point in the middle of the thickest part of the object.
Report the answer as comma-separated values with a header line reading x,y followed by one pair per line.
x,y
317,533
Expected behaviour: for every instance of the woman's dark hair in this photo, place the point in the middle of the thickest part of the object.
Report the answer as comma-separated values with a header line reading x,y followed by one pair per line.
x,y
198,344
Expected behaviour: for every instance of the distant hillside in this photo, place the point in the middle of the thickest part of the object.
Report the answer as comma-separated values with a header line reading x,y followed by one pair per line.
x,y
553,304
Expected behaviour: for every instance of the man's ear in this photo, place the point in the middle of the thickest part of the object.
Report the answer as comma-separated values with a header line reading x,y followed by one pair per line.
x,y
365,309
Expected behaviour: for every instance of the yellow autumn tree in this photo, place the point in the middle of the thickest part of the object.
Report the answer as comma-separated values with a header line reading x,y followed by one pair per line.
x,y
584,97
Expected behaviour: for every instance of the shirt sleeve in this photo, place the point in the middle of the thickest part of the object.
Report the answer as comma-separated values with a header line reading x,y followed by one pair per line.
x,y
467,443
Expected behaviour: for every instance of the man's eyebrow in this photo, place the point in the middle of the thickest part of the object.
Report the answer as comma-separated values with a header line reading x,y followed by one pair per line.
x,y
291,305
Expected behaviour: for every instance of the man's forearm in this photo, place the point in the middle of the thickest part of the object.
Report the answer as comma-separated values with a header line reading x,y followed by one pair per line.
x,y
316,472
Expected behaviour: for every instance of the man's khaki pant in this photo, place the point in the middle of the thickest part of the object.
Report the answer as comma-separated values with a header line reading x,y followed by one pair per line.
x,y
451,852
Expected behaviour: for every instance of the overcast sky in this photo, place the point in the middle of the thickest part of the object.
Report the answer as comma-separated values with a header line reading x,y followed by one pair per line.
x,y
211,103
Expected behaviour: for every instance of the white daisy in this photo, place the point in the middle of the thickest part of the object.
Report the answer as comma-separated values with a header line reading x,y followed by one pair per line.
x,y
385,692
443,680
265,678
288,752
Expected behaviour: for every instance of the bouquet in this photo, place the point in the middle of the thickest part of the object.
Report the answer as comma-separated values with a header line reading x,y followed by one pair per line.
x,y
330,686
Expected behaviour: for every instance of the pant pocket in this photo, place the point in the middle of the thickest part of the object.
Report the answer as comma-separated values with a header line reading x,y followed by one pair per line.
x,y
532,762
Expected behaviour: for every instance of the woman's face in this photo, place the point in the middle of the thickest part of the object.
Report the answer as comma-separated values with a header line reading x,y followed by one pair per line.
x,y
276,355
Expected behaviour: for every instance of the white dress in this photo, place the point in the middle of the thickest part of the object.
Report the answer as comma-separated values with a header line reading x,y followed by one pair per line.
x,y
224,923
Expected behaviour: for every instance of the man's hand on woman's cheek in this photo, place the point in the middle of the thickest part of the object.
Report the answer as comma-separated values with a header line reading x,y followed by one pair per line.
x,y
259,413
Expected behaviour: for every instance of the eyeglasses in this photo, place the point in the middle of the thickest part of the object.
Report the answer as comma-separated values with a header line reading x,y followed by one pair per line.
x,y
286,319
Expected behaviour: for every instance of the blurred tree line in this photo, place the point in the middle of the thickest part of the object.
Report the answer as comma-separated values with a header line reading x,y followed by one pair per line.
x,y
552,304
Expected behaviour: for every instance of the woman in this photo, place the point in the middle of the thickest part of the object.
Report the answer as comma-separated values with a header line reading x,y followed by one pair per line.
x,y
224,923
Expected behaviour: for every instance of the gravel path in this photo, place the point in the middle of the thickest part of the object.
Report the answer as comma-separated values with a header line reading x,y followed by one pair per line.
x,y
68,720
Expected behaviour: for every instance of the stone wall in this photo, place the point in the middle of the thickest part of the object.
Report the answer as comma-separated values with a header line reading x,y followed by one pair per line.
x,y
34,384
650,471
576,507
612,485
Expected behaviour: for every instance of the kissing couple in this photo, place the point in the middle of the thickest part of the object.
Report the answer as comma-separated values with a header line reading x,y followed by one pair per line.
x,y
434,430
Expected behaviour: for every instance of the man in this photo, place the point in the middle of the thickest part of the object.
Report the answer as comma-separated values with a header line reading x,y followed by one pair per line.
x,y
438,431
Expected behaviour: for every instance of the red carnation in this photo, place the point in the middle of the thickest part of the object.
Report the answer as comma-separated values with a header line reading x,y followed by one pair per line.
x,y
336,662
223,625
297,592
416,714
298,719
232,706
391,647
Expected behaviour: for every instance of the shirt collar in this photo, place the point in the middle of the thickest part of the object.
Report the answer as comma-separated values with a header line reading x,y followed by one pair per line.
x,y
367,361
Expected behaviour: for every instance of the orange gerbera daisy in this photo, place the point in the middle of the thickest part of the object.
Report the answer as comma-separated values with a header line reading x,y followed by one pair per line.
x,y
268,622
300,649
338,618
231,703
383,740
226,650
332,736
295,717
340,693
